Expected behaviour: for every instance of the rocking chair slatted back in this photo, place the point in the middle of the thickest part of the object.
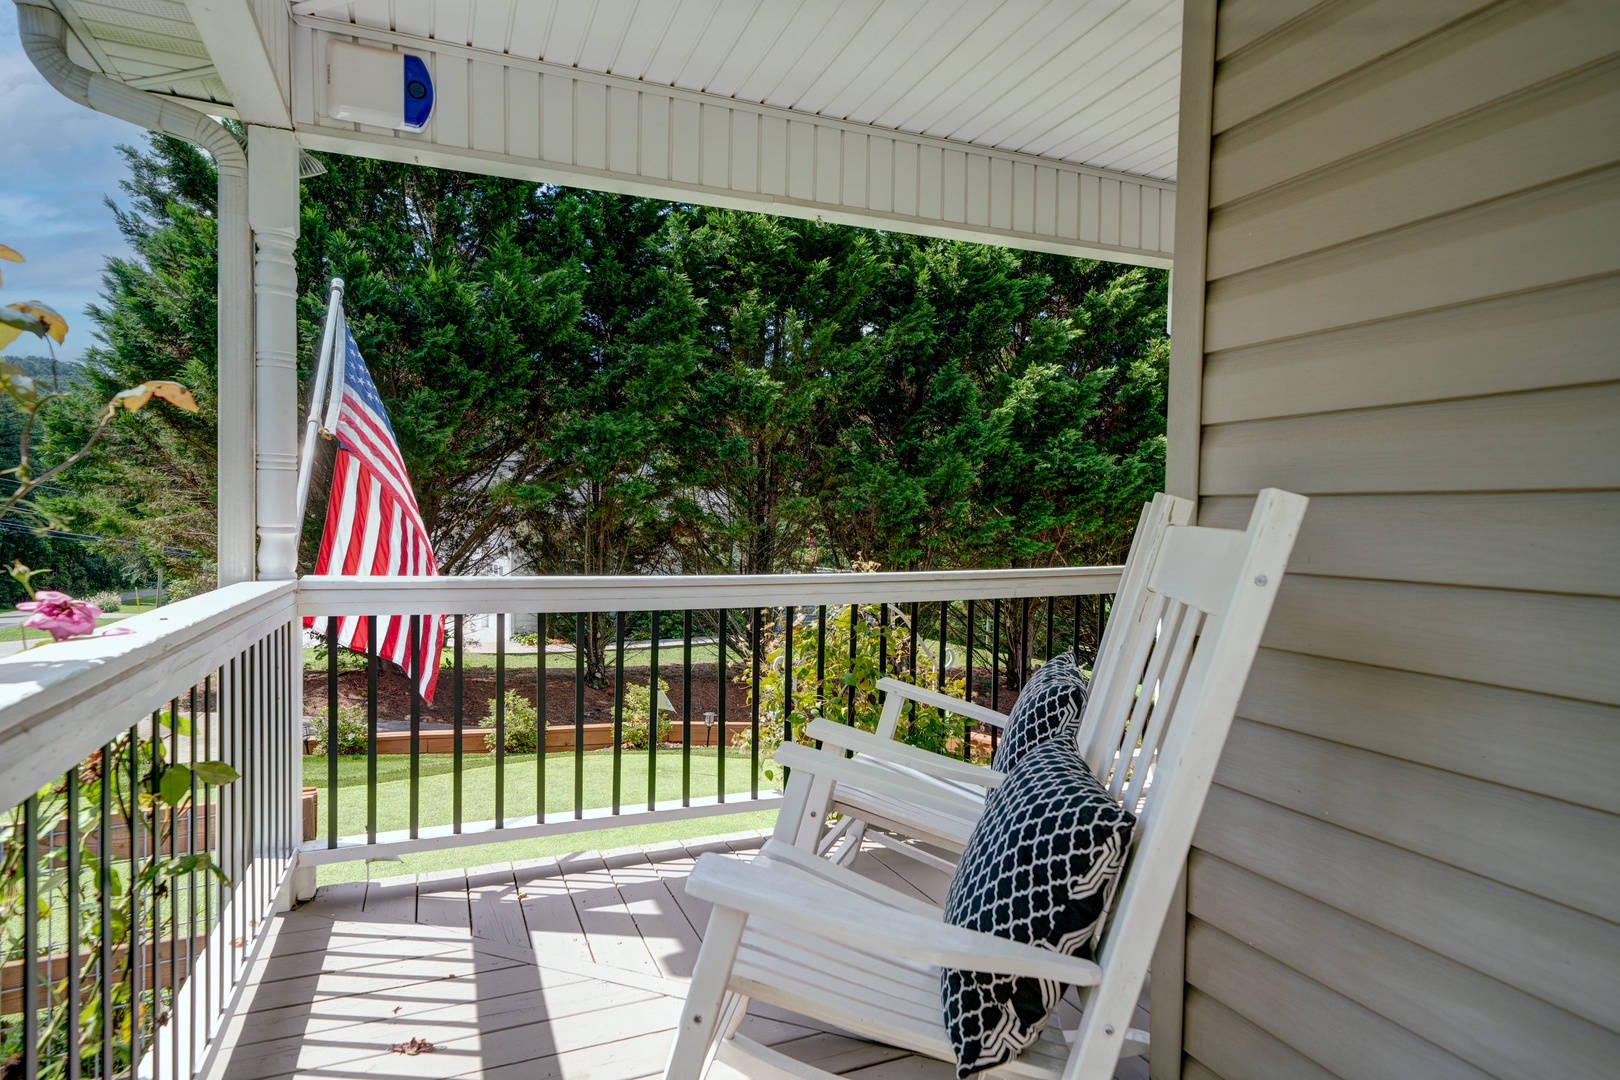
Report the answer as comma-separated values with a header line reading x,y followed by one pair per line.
x,y
1208,596
1166,689
1128,638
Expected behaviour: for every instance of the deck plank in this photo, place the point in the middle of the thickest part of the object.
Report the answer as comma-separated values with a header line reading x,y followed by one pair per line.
x,y
441,899
552,923
392,898
610,929
547,969
496,912
665,930
929,882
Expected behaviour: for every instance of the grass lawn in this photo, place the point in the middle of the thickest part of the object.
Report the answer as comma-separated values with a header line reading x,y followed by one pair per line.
x,y
478,802
32,636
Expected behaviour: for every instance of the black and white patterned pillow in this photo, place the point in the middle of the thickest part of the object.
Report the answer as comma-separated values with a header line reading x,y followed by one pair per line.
x,y
1050,702
1041,868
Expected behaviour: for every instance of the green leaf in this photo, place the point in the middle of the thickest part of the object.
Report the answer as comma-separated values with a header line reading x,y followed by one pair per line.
x,y
179,723
15,381
215,772
175,786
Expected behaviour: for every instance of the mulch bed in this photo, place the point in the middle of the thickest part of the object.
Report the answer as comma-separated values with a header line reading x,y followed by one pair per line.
x,y
478,692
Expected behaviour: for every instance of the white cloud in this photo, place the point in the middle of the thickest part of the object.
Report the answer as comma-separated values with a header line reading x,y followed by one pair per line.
x,y
61,163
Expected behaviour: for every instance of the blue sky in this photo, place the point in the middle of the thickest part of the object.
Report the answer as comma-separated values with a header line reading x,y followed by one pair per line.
x,y
59,164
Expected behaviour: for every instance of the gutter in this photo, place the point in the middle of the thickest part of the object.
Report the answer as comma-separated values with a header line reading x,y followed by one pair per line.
x,y
44,39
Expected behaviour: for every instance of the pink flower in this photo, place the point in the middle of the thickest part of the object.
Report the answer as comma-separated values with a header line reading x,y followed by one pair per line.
x,y
59,615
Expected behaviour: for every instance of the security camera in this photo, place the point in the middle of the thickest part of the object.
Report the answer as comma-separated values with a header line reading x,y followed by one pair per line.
x,y
379,87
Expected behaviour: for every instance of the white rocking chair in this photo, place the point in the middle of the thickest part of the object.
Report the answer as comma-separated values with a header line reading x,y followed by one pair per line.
x,y
804,934
924,804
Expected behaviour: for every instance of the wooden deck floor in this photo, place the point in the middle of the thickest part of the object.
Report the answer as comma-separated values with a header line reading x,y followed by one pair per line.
x,y
572,967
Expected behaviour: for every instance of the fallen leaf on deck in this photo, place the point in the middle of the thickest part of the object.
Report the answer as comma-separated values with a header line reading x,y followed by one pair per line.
x,y
414,1047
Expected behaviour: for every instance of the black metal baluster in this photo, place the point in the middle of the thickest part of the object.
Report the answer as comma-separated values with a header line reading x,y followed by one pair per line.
x,y
995,655
686,707
883,640
967,679
30,987
720,705
540,722
371,729
1076,624
1051,606
579,715
753,776
414,672
456,725
1105,604
332,631
1024,647
821,660
653,716
618,709
787,682
500,720
854,634
911,648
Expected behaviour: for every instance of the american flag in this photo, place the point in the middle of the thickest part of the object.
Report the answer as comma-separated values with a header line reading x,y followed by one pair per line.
x,y
373,526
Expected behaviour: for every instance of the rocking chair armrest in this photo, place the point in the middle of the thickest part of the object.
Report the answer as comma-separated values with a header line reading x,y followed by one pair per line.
x,y
933,798
818,906
955,706
897,753
815,865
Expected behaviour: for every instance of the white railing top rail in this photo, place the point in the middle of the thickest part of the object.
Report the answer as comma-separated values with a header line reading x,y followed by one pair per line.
x,y
62,702
327,595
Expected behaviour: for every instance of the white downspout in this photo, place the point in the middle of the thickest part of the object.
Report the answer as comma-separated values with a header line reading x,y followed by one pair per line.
x,y
44,38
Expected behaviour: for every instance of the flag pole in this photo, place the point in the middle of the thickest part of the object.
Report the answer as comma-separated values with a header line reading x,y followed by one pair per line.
x,y
334,312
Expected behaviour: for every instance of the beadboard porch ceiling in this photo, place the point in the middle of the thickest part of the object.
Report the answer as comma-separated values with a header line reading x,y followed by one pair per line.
x,y
1043,124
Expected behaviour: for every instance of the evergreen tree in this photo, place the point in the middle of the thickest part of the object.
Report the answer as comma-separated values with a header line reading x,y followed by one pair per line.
x,y
603,384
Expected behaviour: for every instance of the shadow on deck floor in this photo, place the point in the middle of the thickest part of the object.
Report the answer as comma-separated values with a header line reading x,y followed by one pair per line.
x,y
569,967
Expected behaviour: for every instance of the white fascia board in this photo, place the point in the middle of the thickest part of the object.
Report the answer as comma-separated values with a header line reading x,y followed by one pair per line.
x,y
245,58
530,120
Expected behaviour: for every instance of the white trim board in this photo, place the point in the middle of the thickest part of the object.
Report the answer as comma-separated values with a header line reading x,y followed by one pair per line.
x,y
473,834
506,116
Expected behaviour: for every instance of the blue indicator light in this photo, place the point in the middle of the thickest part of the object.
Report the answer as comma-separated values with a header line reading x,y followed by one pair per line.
x,y
418,93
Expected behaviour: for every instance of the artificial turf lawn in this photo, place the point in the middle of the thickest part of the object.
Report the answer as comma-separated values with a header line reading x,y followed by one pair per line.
x,y
436,801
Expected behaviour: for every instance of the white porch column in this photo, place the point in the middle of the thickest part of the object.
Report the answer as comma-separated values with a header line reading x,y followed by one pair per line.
x,y
236,441
273,215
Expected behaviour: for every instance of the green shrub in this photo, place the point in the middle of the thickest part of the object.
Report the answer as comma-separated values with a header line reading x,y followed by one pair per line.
x,y
928,728
636,713
352,731
522,725
348,659
187,587
531,639
108,602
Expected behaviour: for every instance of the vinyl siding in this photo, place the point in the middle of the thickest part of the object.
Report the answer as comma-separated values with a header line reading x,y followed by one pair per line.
x,y
1410,863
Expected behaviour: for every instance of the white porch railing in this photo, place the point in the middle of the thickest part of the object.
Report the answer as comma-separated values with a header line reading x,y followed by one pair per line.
x,y
91,729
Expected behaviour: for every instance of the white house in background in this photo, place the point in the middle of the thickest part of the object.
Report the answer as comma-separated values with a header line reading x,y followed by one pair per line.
x,y
1395,234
